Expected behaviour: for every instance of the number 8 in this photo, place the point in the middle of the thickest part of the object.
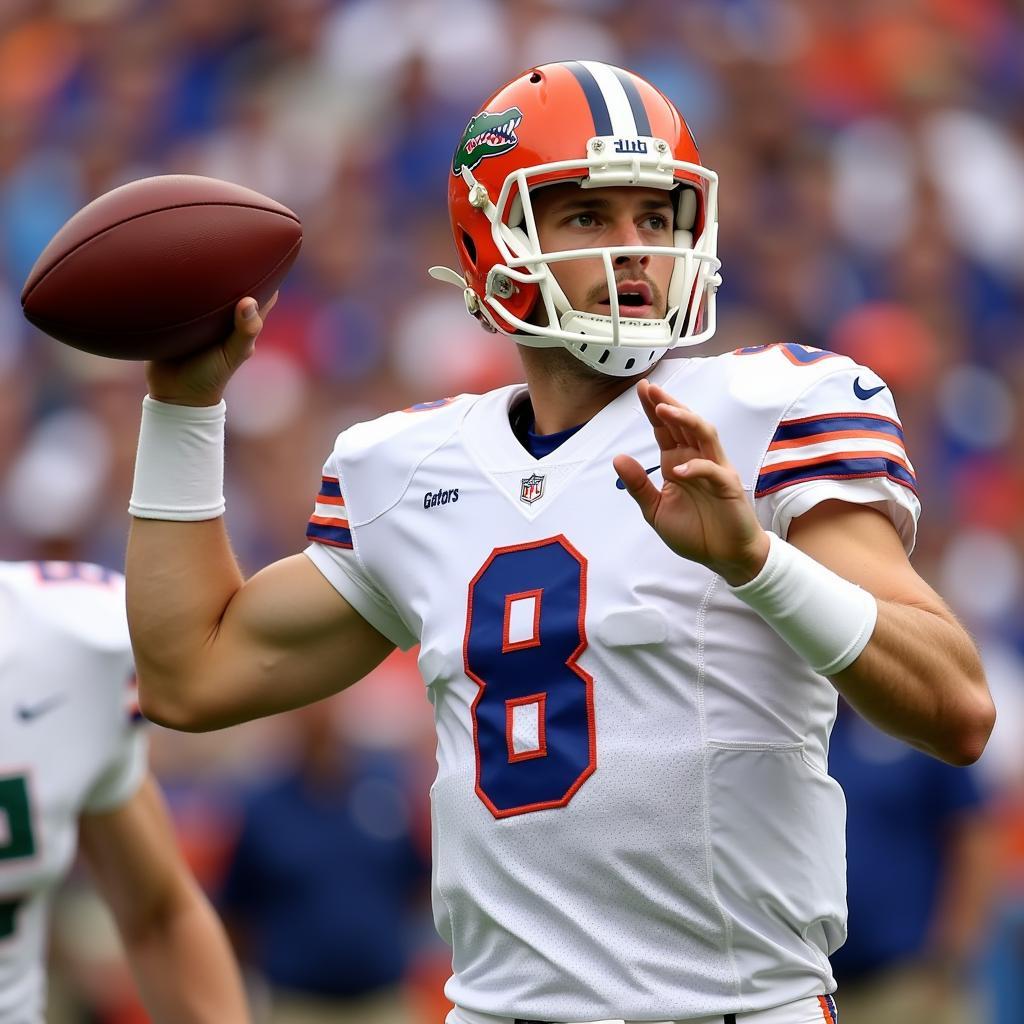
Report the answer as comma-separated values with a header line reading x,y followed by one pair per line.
x,y
533,719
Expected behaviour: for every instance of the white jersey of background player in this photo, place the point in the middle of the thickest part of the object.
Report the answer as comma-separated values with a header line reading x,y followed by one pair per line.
x,y
633,818
72,751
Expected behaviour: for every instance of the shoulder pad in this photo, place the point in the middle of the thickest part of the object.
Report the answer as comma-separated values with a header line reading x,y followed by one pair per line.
x,y
772,376
76,599
374,461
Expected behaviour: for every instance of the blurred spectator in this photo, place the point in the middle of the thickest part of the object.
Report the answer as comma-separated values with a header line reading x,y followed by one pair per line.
x,y
322,888
921,858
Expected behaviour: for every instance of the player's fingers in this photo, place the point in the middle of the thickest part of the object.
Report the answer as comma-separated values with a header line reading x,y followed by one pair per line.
x,y
662,432
247,319
697,431
720,479
269,305
638,483
647,402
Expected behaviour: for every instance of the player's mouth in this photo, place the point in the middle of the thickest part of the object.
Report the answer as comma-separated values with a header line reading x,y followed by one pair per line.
x,y
636,299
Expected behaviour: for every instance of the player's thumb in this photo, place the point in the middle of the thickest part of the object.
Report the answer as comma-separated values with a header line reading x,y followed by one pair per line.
x,y
248,324
638,483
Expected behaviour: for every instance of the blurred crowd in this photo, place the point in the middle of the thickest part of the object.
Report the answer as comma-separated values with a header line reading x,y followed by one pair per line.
x,y
871,157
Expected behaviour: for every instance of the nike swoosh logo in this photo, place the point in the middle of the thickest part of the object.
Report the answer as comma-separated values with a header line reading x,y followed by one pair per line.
x,y
865,393
30,712
621,484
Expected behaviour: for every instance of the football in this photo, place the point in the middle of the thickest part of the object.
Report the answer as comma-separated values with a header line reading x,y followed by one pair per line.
x,y
154,269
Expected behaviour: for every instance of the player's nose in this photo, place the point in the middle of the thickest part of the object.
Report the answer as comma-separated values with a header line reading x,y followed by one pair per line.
x,y
625,231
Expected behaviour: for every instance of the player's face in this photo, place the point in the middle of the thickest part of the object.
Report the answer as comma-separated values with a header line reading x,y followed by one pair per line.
x,y
570,217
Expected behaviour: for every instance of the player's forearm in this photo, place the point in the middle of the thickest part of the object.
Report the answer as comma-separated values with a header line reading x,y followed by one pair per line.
x,y
181,577
185,969
920,678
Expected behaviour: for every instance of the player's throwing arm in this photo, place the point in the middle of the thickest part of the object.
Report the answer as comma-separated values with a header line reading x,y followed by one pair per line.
x,y
842,592
211,648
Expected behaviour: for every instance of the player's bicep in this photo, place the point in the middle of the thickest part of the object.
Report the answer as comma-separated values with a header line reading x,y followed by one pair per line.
x,y
286,639
862,544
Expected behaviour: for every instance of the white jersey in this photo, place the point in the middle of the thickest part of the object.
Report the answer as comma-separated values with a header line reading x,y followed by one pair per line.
x,y
68,745
632,811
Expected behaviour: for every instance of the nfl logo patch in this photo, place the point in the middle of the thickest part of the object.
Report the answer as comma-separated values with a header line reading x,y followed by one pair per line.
x,y
532,489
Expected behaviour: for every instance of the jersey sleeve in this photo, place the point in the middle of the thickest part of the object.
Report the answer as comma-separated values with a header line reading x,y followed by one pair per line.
x,y
333,551
840,439
129,760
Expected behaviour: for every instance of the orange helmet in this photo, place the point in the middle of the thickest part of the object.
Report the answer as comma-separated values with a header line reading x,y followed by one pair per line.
x,y
597,125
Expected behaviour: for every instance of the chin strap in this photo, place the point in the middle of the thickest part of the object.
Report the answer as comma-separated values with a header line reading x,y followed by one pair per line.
x,y
448,276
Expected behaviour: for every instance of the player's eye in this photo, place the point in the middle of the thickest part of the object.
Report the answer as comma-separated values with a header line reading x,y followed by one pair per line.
x,y
657,222
583,220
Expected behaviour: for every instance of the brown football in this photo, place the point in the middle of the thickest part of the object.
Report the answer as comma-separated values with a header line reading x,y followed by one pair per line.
x,y
154,269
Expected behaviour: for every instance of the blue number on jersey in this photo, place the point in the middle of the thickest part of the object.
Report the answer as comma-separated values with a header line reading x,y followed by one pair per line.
x,y
525,665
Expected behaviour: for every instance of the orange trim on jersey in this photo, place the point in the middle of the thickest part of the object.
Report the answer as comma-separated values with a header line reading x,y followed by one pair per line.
x,y
348,546
327,499
832,435
533,641
835,457
329,521
539,701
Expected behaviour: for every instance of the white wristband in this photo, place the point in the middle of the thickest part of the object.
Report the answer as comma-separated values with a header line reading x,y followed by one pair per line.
x,y
179,468
826,619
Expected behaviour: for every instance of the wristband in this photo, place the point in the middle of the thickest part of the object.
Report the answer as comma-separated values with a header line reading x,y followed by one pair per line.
x,y
826,619
179,468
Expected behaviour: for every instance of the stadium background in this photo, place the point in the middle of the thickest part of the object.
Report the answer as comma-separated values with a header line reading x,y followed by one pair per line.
x,y
872,164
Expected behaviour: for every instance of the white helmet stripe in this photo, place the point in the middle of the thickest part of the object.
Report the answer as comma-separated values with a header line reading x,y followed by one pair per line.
x,y
619,108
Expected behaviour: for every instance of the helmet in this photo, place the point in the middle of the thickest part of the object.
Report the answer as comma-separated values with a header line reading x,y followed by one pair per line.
x,y
597,125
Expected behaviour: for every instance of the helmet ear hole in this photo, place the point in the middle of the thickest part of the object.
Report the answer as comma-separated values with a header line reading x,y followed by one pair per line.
x,y
468,247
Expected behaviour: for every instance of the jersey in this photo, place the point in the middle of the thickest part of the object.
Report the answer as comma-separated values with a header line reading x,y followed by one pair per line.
x,y
632,815
69,744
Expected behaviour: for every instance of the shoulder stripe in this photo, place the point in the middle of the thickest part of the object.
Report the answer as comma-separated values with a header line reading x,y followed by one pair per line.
x,y
808,426
329,487
840,456
831,435
857,468
334,536
329,521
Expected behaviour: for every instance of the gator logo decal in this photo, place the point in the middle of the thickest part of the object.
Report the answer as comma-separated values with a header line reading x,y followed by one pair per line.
x,y
487,135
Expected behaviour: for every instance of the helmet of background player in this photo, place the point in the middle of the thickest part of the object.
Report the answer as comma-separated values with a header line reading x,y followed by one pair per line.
x,y
596,125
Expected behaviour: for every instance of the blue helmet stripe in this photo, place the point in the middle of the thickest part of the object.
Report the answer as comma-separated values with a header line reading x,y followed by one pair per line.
x,y
636,103
595,98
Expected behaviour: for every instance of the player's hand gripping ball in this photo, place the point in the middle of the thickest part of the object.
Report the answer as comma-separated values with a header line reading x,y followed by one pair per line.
x,y
153,269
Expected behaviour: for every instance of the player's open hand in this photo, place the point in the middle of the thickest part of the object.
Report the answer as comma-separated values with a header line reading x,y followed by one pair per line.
x,y
200,378
701,511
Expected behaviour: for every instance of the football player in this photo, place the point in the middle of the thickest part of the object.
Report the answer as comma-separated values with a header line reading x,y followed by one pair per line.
x,y
73,773
642,585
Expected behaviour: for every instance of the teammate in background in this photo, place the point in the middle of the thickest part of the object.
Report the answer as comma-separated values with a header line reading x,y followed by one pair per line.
x,y
73,768
633,818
